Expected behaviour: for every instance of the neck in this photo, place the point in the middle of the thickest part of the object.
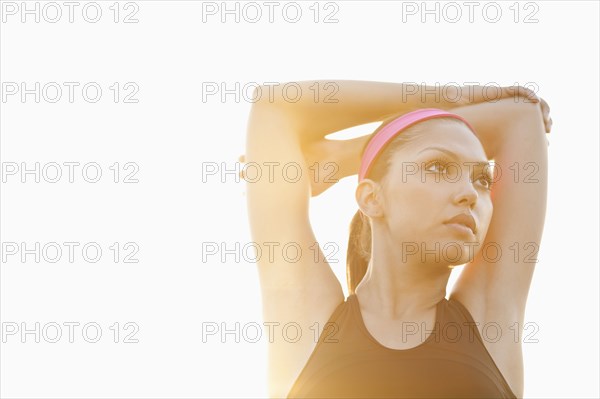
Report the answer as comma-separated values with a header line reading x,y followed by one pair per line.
x,y
398,286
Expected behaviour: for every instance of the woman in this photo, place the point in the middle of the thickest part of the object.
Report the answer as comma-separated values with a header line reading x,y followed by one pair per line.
x,y
425,205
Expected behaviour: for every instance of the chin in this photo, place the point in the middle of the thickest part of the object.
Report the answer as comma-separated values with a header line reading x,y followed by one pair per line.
x,y
459,252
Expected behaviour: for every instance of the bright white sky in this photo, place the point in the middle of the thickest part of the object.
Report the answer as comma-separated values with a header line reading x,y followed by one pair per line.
x,y
171,294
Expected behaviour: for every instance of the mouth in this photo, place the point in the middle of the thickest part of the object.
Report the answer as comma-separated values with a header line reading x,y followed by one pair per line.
x,y
461,228
463,222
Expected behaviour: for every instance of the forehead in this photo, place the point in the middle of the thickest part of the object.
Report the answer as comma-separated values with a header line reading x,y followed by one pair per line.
x,y
455,138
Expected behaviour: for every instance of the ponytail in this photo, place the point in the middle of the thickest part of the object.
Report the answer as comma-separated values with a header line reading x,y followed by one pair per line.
x,y
359,250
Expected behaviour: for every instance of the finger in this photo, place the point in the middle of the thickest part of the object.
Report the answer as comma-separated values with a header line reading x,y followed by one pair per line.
x,y
549,126
242,158
545,107
512,91
519,91
546,115
529,94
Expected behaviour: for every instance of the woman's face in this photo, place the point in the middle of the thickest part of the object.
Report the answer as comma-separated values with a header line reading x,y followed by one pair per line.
x,y
438,175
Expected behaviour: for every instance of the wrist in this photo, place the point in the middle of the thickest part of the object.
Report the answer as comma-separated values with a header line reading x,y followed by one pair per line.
x,y
442,97
454,96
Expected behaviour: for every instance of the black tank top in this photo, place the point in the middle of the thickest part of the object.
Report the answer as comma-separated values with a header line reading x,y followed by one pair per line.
x,y
452,362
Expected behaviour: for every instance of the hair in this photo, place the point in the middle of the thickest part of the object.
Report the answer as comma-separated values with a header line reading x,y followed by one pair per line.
x,y
359,242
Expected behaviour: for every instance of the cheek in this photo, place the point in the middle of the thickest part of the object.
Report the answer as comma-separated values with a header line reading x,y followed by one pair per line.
x,y
485,212
489,212
416,192
425,191
415,202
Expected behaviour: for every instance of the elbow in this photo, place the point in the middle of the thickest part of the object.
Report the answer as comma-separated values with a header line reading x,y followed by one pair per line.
x,y
267,96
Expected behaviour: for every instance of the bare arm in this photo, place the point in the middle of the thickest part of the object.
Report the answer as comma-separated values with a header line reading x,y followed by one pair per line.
x,y
495,288
514,136
320,107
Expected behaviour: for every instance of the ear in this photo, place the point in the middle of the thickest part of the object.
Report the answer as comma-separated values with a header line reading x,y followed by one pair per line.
x,y
369,198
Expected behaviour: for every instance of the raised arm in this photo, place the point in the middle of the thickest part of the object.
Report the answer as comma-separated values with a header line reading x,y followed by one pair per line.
x,y
313,109
316,108
495,287
319,107
513,135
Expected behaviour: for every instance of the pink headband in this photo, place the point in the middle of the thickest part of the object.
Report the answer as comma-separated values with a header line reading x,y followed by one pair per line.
x,y
395,127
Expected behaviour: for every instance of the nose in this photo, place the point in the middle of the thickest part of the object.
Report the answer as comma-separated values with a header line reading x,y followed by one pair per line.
x,y
466,193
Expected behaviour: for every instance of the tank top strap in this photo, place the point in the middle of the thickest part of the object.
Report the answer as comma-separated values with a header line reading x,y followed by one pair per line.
x,y
339,317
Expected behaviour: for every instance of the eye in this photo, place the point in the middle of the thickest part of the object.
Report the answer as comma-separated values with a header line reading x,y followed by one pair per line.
x,y
440,166
486,181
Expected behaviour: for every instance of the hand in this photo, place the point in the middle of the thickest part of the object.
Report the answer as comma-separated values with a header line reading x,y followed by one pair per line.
x,y
242,159
546,115
477,94
530,96
474,94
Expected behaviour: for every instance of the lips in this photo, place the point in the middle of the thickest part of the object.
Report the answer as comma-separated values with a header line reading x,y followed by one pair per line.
x,y
465,219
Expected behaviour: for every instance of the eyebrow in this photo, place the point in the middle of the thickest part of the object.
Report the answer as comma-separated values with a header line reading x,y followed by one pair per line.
x,y
480,163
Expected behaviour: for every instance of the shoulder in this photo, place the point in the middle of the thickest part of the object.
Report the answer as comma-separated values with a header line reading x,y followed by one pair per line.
x,y
291,367
500,336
